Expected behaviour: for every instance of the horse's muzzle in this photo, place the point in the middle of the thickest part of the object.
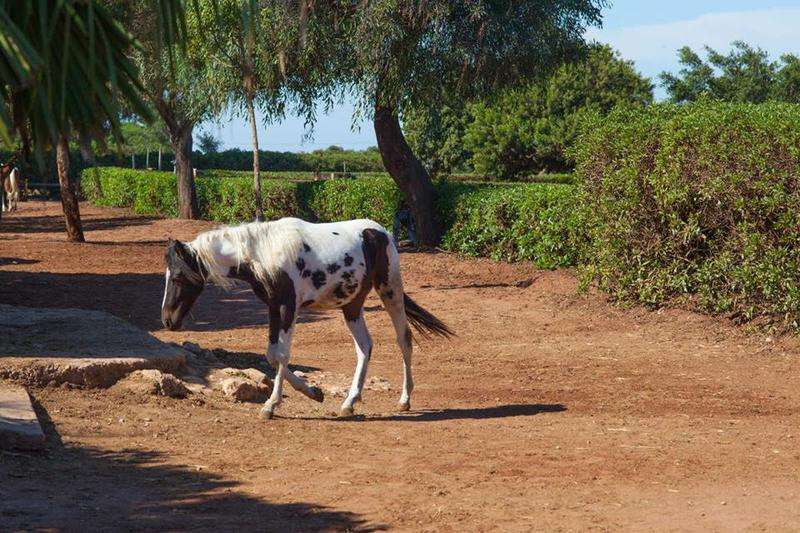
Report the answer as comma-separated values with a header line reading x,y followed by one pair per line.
x,y
171,324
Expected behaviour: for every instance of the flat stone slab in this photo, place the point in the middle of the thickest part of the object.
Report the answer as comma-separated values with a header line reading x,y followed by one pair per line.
x,y
87,348
19,427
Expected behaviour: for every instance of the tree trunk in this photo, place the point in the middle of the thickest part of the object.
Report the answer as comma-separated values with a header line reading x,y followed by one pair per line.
x,y
409,174
251,114
147,160
181,140
159,158
69,196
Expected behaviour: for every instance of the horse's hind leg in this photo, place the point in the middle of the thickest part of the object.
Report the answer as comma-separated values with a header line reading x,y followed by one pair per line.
x,y
393,302
300,385
363,343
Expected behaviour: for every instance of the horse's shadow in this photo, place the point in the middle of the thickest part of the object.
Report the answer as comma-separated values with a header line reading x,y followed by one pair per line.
x,y
469,413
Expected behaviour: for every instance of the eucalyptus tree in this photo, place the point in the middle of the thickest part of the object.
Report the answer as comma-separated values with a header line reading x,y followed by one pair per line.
x,y
406,52
270,54
176,84
239,56
64,68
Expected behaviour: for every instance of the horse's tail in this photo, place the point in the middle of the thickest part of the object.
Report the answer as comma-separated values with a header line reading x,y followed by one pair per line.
x,y
424,321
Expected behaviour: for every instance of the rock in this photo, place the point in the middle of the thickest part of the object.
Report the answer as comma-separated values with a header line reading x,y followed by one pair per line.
x,y
19,426
81,347
153,382
242,384
243,389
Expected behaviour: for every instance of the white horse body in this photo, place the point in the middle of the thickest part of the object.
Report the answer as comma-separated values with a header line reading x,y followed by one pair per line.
x,y
292,264
320,249
12,186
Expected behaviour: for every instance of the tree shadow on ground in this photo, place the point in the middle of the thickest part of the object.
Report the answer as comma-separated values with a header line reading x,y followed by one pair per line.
x,y
136,298
55,224
90,489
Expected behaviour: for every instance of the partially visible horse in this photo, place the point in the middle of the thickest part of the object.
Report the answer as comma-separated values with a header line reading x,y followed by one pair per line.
x,y
12,186
291,265
9,184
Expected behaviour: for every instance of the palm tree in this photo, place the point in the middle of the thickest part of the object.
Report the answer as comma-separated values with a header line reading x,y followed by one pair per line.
x,y
64,68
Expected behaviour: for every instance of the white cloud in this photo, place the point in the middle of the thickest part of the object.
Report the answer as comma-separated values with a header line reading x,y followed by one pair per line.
x,y
654,47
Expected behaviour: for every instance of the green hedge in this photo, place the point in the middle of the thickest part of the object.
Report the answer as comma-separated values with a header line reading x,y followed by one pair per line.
x,y
698,204
531,222
505,221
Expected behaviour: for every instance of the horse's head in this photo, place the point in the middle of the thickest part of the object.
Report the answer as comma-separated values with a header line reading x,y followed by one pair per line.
x,y
184,283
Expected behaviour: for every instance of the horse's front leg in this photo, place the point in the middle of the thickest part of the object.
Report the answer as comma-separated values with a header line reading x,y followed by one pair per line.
x,y
363,344
281,327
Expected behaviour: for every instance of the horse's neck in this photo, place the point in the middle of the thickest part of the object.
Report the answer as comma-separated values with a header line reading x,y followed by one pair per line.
x,y
225,254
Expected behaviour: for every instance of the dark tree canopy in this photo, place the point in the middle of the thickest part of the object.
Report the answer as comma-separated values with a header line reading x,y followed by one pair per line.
x,y
519,131
416,51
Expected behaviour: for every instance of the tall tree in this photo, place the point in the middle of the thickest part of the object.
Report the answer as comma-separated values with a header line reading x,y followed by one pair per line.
x,y
176,85
744,74
269,54
407,52
528,129
238,51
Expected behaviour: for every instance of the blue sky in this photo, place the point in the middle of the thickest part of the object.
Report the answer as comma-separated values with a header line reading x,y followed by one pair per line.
x,y
646,31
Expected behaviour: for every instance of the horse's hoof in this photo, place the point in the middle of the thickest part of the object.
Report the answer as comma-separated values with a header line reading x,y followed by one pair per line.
x,y
345,412
404,406
316,394
265,414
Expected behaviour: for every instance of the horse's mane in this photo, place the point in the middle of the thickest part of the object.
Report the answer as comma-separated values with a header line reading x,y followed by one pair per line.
x,y
266,247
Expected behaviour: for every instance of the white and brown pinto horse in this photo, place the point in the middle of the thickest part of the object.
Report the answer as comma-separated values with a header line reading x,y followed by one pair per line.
x,y
10,178
291,265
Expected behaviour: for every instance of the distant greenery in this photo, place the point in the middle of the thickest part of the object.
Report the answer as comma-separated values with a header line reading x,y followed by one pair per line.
x,y
526,130
332,159
511,222
207,143
745,74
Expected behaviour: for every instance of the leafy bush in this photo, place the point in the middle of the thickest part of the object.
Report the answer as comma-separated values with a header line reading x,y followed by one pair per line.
x,y
370,197
517,132
697,203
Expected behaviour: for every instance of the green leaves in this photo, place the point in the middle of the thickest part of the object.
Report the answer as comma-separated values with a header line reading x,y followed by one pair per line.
x,y
64,66
529,129
404,53
745,74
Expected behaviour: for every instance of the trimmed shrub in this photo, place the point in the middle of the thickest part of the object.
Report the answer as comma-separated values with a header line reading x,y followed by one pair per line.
x,y
697,203
526,222
376,198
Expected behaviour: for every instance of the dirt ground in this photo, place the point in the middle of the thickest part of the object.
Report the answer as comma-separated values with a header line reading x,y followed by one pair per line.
x,y
549,411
